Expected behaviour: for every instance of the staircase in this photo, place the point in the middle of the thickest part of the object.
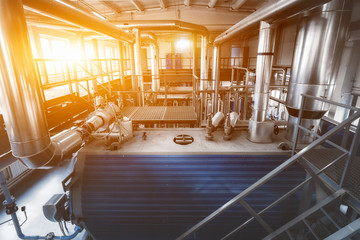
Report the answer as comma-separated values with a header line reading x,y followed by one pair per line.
x,y
330,208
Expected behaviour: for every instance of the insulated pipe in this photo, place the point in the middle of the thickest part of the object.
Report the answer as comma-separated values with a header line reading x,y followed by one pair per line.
x,y
259,130
164,25
317,55
138,67
69,13
204,64
263,72
216,76
155,85
20,98
270,12
134,84
21,101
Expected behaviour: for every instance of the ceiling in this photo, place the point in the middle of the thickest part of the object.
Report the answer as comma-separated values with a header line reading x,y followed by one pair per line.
x,y
215,15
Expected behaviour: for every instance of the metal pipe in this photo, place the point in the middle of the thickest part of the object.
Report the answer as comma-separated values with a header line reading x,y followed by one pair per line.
x,y
216,76
20,96
320,40
69,13
164,25
138,65
155,85
270,12
204,64
259,130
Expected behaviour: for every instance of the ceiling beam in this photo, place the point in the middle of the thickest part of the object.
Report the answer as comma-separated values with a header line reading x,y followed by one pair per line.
x,y
162,4
212,3
187,3
137,5
238,4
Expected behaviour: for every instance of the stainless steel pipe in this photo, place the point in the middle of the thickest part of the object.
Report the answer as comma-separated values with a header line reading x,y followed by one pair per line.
x,y
270,12
69,13
316,61
259,130
21,100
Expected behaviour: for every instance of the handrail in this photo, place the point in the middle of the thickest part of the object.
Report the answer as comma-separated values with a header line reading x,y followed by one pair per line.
x,y
274,172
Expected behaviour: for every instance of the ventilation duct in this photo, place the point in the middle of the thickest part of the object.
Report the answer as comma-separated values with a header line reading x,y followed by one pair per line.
x,y
317,56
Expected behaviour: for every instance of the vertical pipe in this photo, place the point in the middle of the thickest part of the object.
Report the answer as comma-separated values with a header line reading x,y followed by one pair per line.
x,y
317,55
204,66
121,64
138,67
194,80
155,84
216,76
20,96
259,130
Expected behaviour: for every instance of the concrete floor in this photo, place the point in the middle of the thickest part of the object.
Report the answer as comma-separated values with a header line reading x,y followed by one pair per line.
x,y
33,192
37,189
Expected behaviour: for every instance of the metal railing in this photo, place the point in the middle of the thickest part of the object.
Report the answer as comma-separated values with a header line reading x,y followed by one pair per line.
x,y
240,198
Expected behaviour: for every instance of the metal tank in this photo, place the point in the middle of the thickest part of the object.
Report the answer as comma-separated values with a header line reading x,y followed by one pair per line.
x,y
319,44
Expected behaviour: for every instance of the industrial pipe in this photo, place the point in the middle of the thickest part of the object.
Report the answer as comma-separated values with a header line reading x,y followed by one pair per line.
x,y
320,40
260,130
164,25
69,13
270,12
204,64
138,65
216,76
21,102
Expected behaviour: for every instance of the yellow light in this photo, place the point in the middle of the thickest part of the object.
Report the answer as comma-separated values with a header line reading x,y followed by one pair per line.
x,y
183,44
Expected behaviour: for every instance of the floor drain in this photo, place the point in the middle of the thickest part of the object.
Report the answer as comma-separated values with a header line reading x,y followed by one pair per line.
x,y
183,139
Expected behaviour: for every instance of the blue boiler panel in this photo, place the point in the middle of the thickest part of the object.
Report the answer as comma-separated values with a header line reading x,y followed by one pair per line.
x,y
159,197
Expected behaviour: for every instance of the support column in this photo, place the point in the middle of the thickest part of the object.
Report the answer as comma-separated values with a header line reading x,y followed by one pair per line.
x,y
260,131
138,67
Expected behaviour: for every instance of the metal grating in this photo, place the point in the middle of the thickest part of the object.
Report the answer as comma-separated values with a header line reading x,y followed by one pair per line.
x,y
180,113
161,114
322,157
129,111
149,113
159,197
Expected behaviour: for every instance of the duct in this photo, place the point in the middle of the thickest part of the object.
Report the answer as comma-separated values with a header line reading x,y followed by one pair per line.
x,y
64,11
165,25
259,130
270,12
316,60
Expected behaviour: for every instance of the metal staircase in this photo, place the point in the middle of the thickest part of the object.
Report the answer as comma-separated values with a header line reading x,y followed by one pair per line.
x,y
330,208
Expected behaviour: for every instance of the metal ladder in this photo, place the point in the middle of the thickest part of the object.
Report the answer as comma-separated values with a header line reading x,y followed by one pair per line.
x,y
310,225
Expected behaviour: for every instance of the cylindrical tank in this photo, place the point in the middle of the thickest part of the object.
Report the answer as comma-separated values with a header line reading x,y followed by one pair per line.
x,y
319,44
